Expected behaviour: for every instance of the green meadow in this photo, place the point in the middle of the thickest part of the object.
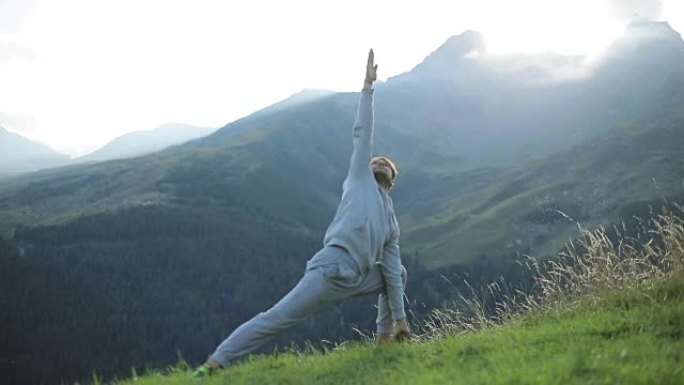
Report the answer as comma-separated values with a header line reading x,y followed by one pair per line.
x,y
604,312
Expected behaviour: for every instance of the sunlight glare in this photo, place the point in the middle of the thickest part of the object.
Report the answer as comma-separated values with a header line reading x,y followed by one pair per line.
x,y
572,28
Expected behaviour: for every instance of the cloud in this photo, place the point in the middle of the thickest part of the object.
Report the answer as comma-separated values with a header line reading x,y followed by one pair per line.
x,y
9,51
14,14
625,9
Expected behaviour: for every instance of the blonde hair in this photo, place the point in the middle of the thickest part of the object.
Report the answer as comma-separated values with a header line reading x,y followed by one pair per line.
x,y
392,165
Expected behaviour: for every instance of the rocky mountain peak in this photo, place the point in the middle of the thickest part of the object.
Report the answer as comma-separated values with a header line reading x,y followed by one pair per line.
x,y
459,52
645,38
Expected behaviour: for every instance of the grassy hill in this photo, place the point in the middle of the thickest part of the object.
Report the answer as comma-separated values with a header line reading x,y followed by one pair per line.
x,y
609,314
632,337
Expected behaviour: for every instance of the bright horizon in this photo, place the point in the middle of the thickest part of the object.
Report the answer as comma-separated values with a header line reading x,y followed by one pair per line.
x,y
76,74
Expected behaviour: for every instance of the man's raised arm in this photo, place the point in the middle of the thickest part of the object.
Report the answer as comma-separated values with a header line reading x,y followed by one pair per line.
x,y
362,132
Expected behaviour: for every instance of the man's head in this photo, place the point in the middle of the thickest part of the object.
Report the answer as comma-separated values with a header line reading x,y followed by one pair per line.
x,y
384,170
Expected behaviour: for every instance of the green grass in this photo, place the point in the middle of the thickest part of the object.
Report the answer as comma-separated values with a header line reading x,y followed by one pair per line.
x,y
633,336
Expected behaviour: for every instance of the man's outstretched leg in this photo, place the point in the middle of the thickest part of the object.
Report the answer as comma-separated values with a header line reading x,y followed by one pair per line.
x,y
313,292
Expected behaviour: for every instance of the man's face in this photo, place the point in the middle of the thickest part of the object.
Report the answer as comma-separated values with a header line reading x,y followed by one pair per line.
x,y
381,169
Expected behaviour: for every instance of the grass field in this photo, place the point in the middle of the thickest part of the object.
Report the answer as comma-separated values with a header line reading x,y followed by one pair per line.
x,y
629,337
605,313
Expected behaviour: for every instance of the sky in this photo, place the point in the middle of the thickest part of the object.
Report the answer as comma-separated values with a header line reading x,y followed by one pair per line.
x,y
75,74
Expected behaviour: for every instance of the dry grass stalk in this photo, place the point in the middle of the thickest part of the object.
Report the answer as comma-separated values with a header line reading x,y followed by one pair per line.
x,y
597,262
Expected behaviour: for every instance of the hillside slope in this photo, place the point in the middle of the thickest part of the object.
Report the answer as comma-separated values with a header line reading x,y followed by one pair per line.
x,y
535,209
630,337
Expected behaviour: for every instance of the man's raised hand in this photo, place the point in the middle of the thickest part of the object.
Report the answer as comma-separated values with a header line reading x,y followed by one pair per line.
x,y
371,70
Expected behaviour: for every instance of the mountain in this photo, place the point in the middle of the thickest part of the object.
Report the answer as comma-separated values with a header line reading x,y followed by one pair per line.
x,y
128,252
138,143
18,154
537,208
529,107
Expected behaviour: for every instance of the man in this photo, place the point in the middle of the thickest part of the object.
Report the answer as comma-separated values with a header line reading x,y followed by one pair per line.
x,y
360,254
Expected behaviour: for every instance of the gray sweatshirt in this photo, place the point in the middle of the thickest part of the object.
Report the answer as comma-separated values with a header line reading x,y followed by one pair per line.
x,y
365,224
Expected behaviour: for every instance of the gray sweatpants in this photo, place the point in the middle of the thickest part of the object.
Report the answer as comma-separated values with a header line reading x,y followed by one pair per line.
x,y
330,277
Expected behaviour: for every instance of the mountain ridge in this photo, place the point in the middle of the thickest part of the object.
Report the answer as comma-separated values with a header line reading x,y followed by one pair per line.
x,y
142,142
22,154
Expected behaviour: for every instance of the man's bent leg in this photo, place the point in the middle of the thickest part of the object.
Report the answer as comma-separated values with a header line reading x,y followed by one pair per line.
x,y
384,320
375,284
311,293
